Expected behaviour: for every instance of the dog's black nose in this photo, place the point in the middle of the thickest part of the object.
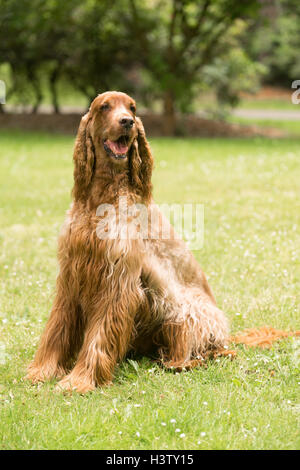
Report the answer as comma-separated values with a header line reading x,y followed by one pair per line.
x,y
127,122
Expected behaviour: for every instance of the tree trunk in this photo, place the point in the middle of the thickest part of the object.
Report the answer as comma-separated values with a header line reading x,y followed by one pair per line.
x,y
34,80
37,92
53,90
169,113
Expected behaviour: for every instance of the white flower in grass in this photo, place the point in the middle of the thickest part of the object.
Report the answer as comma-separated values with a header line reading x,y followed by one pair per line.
x,y
163,424
138,434
182,435
137,405
203,434
177,430
205,403
120,432
172,420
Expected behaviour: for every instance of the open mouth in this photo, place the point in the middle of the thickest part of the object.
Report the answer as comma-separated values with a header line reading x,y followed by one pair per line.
x,y
117,148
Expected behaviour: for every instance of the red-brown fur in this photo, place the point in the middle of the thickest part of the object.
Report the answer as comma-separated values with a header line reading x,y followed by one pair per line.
x,y
113,296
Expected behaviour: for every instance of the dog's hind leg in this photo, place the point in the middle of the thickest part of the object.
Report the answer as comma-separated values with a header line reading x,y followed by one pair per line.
x,y
197,330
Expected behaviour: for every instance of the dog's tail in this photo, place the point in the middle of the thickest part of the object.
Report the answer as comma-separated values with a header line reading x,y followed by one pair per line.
x,y
262,337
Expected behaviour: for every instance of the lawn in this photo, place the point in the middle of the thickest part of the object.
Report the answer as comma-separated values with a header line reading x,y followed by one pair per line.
x,y
271,103
250,191
288,127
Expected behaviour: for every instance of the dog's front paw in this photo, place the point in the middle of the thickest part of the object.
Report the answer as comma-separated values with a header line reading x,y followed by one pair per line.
x,y
74,384
42,373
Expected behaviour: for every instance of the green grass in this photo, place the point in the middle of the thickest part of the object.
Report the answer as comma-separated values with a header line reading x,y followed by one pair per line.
x,y
288,126
250,189
269,103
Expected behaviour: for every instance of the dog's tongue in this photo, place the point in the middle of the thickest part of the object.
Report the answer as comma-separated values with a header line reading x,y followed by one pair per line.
x,y
118,147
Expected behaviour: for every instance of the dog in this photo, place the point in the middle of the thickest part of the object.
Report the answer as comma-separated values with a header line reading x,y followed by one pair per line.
x,y
116,293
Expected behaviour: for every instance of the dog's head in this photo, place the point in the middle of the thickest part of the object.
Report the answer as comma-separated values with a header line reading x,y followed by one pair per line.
x,y
111,135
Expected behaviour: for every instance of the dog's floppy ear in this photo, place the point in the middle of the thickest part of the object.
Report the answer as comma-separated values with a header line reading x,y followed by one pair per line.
x,y
141,163
84,158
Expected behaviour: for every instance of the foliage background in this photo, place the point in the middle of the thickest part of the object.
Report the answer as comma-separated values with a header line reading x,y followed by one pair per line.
x,y
166,53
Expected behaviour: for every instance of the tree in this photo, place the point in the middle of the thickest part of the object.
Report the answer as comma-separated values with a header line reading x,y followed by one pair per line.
x,y
98,49
152,48
50,41
30,35
178,38
275,41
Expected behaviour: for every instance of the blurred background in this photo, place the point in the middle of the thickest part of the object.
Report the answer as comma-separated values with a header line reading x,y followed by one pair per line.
x,y
195,67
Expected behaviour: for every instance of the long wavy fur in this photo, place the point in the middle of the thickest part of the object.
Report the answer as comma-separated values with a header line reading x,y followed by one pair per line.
x,y
117,295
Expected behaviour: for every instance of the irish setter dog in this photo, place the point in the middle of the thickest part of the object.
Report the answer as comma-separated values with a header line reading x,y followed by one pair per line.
x,y
119,293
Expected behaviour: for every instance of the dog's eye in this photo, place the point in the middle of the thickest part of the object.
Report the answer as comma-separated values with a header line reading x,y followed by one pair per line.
x,y
104,107
132,108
